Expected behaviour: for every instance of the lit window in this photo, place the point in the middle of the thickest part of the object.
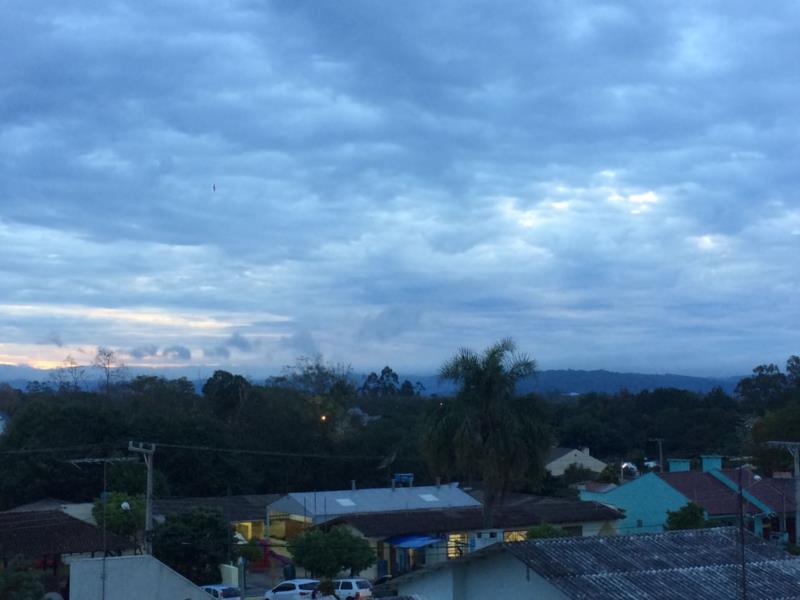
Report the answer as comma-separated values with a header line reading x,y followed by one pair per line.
x,y
515,536
456,545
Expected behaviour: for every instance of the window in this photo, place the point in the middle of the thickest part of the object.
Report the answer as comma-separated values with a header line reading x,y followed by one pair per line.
x,y
456,545
231,592
346,585
308,586
345,502
284,587
639,523
363,584
515,536
492,534
429,497
479,535
573,530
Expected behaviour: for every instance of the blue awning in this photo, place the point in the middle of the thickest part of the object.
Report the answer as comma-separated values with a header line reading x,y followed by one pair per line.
x,y
413,541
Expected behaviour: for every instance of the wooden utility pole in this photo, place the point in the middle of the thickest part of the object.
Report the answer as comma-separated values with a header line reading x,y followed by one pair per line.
x,y
794,450
148,453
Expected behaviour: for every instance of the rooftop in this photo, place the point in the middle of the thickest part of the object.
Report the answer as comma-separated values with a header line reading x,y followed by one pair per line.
x,y
247,507
35,534
518,514
327,505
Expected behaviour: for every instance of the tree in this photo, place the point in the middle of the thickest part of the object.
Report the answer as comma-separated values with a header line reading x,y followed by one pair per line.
x,y
70,376
124,514
111,368
20,581
194,544
764,390
328,553
487,430
546,531
690,516
226,393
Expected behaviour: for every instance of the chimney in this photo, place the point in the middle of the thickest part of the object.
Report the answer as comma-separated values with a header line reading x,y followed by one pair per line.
x,y
353,484
677,465
711,462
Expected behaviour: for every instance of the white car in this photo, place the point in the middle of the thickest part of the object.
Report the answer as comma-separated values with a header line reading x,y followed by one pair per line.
x,y
228,592
352,589
293,589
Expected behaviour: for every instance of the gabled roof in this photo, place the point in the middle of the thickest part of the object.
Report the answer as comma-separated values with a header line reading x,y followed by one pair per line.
x,y
776,492
709,492
36,534
323,506
557,452
521,514
247,507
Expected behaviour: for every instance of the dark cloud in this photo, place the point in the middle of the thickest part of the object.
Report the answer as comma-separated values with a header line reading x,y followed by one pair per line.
x,y
401,180
179,352
146,351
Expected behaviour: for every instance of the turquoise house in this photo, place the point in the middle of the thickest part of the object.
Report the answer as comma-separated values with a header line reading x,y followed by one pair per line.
x,y
647,499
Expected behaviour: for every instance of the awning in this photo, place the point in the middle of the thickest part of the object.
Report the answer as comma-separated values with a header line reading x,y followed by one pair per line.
x,y
413,541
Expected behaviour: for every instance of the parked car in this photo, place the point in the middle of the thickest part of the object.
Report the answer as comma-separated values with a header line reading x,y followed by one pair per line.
x,y
293,589
352,589
220,590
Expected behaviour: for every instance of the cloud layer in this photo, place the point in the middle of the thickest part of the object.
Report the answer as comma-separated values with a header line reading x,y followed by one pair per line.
x,y
614,186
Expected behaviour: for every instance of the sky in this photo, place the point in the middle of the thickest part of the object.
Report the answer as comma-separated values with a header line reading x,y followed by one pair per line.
x,y
238,183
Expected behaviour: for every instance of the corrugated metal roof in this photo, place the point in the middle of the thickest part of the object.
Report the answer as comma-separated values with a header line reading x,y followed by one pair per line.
x,y
323,506
247,507
673,565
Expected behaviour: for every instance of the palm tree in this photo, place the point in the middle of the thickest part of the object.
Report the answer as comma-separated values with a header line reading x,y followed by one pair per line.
x,y
487,430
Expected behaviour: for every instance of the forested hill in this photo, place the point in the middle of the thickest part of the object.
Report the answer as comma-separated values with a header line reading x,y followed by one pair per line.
x,y
564,381
571,381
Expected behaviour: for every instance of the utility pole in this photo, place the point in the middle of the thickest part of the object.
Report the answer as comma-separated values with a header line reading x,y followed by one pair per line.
x,y
660,452
743,556
148,453
794,450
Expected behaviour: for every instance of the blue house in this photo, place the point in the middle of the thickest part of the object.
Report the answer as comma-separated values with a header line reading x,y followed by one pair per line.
x,y
647,499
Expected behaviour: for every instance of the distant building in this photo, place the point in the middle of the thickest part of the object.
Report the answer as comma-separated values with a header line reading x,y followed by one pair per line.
x,y
768,503
407,540
246,513
677,565
560,459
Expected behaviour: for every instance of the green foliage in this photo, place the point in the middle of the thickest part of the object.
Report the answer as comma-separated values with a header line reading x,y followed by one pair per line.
x,y
226,393
194,544
545,531
609,475
487,431
20,581
327,587
690,516
328,553
122,521
250,551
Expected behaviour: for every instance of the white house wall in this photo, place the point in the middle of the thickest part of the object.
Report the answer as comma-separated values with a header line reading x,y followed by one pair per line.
x,y
497,576
575,457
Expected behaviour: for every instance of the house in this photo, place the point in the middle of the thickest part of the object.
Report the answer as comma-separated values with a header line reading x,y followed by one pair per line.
x,y
560,459
79,510
246,513
675,565
52,540
294,512
406,540
129,577
647,499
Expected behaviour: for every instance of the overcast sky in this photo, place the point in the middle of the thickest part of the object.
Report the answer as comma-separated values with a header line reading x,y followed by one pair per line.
x,y
237,183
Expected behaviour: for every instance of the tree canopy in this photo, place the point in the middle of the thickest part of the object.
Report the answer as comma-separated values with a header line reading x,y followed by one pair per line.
x,y
329,553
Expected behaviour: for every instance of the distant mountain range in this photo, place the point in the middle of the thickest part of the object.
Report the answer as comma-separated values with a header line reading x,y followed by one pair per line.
x,y
564,382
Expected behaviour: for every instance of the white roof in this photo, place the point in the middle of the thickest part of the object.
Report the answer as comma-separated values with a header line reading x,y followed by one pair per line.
x,y
322,506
